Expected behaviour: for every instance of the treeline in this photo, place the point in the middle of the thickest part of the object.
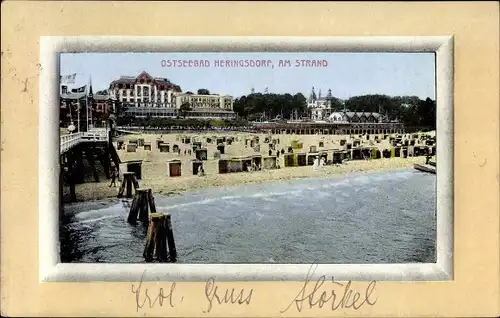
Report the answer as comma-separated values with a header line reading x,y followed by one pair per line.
x,y
268,106
410,110
180,122
413,112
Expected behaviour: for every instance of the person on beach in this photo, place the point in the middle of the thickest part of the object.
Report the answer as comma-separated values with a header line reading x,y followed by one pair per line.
x,y
316,163
201,172
114,175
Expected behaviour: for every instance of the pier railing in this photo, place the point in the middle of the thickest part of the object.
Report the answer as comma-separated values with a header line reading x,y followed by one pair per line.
x,y
69,141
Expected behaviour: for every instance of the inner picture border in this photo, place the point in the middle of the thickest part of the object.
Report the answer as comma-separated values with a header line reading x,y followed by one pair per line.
x,y
50,268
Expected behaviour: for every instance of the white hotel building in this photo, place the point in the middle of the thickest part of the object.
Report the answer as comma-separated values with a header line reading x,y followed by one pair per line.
x,y
147,96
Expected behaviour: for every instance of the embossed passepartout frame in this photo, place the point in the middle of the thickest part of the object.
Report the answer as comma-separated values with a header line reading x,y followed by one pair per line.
x,y
50,268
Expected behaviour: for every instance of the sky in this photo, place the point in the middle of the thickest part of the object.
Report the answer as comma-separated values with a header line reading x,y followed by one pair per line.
x,y
346,74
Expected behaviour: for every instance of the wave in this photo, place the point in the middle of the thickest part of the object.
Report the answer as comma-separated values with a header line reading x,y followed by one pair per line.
x,y
93,220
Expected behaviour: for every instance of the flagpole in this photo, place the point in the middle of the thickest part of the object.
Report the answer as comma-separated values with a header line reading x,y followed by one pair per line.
x,y
87,107
91,114
78,120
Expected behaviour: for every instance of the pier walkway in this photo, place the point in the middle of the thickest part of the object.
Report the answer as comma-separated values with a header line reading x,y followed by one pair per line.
x,y
93,135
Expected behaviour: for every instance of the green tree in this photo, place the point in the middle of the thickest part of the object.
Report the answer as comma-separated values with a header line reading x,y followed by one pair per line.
x,y
184,109
336,104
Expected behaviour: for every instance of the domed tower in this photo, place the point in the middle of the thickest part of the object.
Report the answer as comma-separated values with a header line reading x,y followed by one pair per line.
x,y
329,95
312,97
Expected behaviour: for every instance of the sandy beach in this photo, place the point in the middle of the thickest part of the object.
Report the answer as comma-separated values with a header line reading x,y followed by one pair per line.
x,y
155,163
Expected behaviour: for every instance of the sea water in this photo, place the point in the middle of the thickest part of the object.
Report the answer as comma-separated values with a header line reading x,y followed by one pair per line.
x,y
382,217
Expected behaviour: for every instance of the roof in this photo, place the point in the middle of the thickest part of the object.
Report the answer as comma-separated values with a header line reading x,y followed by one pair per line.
x,y
352,114
101,97
73,95
147,77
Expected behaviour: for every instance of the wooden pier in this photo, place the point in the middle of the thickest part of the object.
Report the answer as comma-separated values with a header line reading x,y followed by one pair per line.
x,y
82,151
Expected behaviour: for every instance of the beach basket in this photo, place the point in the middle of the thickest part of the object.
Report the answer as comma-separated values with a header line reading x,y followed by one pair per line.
x,y
201,154
356,154
131,147
223,166
337,157
235,165
135,166
164,147
311,157
174,168
196,164
301,159
397,152
158,142
269,162
289,159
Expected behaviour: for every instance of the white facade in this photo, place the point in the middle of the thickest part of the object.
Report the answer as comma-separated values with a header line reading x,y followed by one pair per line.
x,y
320,107
158,97
338,118
196,101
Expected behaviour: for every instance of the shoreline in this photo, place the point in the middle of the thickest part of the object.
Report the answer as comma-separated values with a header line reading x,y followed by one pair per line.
x,y
167,186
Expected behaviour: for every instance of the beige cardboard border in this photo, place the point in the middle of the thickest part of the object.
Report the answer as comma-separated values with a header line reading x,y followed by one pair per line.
x,y
474,26
50,270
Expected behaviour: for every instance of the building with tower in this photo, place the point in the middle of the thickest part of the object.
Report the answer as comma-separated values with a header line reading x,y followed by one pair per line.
x,y
147,96
319,106
321,110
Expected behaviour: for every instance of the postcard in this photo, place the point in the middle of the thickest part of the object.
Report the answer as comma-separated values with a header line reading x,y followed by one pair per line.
x,y
186,166
255,157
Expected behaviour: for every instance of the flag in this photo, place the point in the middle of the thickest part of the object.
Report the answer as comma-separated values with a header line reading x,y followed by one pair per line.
x,y
79,89
68,79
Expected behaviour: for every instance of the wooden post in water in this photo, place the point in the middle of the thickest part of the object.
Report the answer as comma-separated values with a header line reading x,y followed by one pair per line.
x,y
129,179
151,200
141,206
170,238
155,239
159,237
134,209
